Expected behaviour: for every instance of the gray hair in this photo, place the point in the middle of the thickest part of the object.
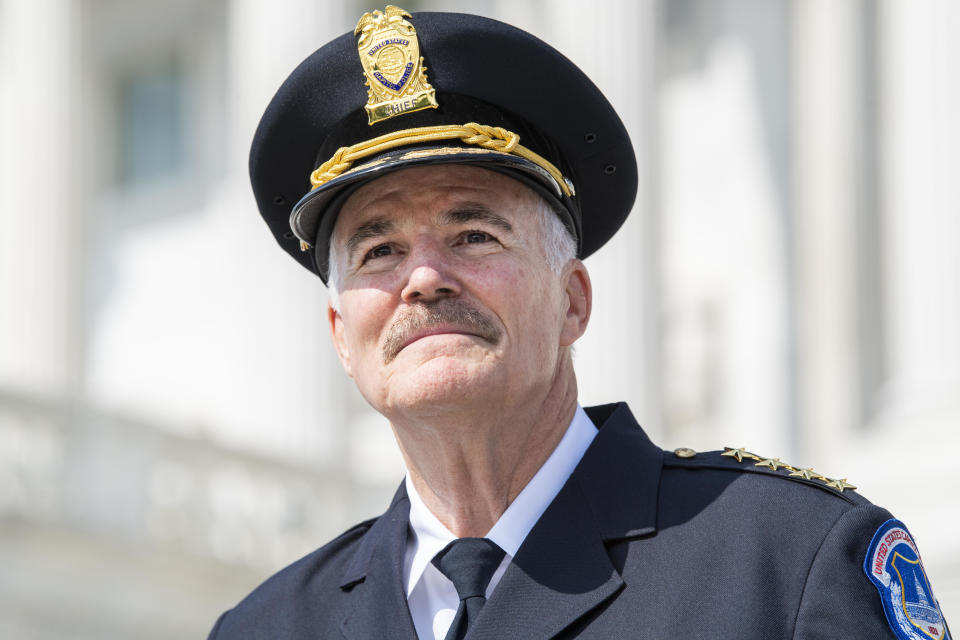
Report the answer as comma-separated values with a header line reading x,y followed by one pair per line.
x,y
559,245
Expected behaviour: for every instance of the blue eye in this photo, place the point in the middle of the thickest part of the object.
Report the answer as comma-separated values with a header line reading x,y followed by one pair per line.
x,y
380,251
475,237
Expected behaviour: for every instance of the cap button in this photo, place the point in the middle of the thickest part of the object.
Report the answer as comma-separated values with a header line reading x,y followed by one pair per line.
x,y
684,452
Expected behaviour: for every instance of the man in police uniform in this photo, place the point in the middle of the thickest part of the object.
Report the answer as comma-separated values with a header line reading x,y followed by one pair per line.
x,y
458,170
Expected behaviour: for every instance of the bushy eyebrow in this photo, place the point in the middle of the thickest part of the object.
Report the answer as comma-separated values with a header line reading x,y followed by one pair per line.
x,y
369,229
475,212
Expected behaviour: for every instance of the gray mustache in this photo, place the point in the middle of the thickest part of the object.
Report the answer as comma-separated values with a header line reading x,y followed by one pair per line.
x,y
445,312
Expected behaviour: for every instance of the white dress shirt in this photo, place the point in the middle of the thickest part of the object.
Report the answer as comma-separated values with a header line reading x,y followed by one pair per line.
x,y
432,599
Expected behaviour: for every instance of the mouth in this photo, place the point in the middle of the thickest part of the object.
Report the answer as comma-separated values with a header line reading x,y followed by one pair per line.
x,y
433,331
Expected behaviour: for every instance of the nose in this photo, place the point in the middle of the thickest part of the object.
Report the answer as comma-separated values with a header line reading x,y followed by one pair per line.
x,y
431,278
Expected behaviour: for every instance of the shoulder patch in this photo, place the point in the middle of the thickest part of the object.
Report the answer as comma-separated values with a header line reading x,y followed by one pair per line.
x,y
893,565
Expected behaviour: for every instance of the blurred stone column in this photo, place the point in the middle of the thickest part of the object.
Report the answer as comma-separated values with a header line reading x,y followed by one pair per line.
x,y
39,161
722,213
921,97
826,56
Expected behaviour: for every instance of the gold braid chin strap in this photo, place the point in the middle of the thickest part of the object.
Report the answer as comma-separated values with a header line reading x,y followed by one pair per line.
x,y
493,138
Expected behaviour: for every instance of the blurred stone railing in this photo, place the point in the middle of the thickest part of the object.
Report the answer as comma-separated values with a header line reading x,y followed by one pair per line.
x,y
67,465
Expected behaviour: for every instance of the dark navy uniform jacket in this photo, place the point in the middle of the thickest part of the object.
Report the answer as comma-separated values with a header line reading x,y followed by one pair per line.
x,y
639,543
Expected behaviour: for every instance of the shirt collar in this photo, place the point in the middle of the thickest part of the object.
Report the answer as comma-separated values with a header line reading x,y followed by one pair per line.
x,y
429,535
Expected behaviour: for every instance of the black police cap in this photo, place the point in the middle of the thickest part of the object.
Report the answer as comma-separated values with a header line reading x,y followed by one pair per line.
x,y
406,90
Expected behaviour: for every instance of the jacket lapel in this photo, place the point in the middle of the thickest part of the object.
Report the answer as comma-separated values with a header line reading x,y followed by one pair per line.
x,y
377,606
563,570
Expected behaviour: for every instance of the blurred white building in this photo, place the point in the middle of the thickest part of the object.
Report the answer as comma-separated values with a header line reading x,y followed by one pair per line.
x,y
173,423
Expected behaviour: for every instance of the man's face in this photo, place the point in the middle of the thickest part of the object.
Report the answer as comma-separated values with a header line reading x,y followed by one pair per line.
x,y
446,296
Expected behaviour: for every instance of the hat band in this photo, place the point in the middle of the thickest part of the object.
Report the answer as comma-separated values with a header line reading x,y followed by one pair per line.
x,y
494,138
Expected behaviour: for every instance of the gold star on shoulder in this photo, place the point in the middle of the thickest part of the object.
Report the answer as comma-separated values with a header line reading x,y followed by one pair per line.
x,y
773,464
776,464
839,485
739,454
807,474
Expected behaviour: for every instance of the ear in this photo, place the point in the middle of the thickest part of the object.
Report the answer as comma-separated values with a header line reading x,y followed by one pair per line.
x,y
339,340
579,294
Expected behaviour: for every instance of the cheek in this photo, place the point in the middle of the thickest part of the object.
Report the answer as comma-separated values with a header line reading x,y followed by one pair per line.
x,y
504,278
528,301
365,318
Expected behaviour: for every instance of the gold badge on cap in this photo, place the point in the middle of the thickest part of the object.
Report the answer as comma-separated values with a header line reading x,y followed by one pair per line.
x,y
390,54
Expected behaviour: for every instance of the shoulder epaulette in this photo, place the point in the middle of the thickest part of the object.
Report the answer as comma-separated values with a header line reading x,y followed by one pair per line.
x,y
743,460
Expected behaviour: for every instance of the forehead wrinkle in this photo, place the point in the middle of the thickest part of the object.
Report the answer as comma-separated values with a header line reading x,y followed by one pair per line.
x,y
364,199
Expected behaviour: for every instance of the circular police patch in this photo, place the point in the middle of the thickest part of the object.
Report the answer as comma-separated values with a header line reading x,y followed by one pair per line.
x,y
893,565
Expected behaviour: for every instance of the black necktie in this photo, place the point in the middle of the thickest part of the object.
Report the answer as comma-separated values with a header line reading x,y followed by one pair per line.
x,y
469,563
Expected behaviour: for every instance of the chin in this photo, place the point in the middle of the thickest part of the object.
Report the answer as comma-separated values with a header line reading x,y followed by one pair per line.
x,y
439,383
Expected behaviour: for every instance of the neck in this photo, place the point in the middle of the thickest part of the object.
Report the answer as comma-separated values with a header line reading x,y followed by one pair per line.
x,y
469,467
